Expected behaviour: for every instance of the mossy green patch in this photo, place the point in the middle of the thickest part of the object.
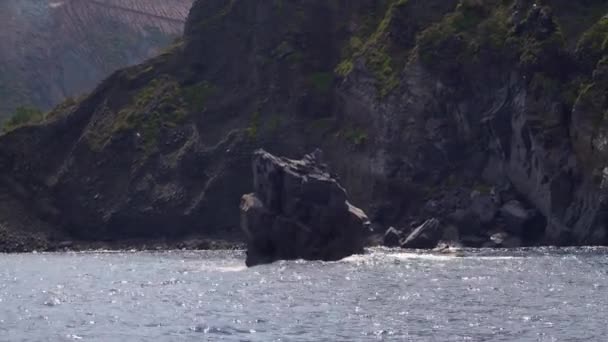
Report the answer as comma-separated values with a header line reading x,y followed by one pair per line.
x,y
535,53
354,135
344,68
456,40
593,44
322,81
196,96
372,44
162,104
23,116
576,17
254,125
482,31
64,107
157,106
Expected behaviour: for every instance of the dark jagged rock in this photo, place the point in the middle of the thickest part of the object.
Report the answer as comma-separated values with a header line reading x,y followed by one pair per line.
x,y
515,216
484,206
451,235
392,237
466,221
523,222
426,236
297,211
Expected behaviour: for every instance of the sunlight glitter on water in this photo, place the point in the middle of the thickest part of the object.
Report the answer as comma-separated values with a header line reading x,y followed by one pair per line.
x,y
387,295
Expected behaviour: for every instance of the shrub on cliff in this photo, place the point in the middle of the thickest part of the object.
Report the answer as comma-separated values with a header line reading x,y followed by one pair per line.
x,y
23,116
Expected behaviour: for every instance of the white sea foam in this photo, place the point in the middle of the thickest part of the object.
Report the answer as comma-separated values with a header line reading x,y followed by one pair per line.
x,y
56,4
213,267
391,255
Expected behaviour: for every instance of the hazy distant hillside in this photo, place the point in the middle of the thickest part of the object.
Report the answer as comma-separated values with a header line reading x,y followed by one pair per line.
x,y
51,49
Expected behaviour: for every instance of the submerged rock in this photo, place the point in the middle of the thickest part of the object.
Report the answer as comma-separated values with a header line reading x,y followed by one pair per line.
x,y
298,210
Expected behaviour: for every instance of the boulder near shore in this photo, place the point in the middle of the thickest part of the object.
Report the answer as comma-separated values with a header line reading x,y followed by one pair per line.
x,y
298,210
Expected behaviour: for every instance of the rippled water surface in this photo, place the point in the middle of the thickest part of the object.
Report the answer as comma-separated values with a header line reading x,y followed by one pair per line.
x,y
533,295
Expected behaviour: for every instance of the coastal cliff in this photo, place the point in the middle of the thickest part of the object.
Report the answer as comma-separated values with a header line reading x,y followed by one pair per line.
x,y
420,107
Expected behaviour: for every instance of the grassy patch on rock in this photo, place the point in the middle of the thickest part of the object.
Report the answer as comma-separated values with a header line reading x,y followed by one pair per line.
x,y
162,104
322,81
372,44
23,116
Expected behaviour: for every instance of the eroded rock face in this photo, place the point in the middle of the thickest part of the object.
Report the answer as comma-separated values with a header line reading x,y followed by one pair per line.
x,y
421,111
298,210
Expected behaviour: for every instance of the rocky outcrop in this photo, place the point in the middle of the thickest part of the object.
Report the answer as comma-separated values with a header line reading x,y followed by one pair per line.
x,y
298,210
392,237
426,236
485,221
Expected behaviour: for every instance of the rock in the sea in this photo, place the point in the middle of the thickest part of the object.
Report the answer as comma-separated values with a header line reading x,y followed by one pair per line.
x,y
499,238
426,236
392,237
298,210
504,240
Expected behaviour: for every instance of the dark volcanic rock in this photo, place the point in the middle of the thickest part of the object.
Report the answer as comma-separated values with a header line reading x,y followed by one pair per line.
x,y
392,237
466,221
515,216
426,236
298,211
527,224
484,206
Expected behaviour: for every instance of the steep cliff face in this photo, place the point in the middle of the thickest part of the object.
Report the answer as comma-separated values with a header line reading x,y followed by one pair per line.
x,y
416,104
51,50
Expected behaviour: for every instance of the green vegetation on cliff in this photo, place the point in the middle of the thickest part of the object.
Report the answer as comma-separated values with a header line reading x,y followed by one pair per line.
x,y
593,44
372,43
162,104
23,116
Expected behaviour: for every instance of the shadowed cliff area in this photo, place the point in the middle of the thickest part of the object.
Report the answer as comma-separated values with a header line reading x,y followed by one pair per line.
x,y
423,108
54,49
